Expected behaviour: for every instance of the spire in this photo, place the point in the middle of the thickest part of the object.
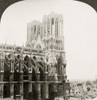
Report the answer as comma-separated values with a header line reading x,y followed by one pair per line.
x,y
14,46
22,48
5,44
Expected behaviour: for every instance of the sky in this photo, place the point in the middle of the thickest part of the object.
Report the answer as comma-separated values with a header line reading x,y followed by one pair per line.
x,y
80,32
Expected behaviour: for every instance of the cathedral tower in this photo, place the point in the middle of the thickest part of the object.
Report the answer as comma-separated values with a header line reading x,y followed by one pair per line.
x,y
48,35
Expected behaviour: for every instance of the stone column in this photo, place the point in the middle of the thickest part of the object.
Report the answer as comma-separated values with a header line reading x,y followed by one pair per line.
x,y
38,86
1,74
12,77
21,77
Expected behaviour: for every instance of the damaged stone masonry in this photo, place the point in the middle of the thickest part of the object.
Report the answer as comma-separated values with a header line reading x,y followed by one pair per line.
x,y
36,71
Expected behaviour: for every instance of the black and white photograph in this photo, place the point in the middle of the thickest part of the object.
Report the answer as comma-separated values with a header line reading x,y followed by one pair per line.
x,y
48,49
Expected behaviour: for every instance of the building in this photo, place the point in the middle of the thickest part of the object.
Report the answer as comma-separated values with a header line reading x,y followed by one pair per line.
x,y
38,70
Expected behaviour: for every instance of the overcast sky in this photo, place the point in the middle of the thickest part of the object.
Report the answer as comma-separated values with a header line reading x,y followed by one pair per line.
x,y
80,31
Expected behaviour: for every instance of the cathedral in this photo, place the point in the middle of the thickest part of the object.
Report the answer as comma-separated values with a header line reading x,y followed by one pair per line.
x,y
48,36
36,71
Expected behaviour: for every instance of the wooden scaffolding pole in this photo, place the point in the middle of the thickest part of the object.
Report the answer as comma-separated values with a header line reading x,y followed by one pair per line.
x,y
30,79
46,90
21,76
12,76
1,73
30,85
38,86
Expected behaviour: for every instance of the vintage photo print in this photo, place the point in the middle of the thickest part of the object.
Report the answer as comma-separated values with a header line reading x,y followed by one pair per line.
x,y
48,50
